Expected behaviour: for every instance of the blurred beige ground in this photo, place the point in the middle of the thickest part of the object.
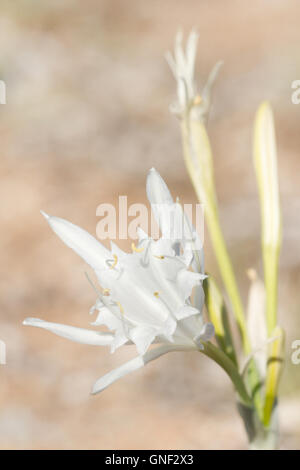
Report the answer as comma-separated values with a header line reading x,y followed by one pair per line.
x,y
87,115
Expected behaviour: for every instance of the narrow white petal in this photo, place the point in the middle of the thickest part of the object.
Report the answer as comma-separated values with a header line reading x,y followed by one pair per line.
x,y
210,81
191,49
179,54
133,365
171,62
162,204
117,373
80,241
157,190
79,335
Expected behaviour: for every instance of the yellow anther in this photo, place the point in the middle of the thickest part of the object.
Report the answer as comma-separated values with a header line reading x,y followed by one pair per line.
x,y
114,263
197,100
120,307
160,257
137,250
156,294
106,292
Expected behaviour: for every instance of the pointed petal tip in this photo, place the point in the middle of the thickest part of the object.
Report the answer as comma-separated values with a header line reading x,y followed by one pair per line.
x,y
96,389
47,217
30,321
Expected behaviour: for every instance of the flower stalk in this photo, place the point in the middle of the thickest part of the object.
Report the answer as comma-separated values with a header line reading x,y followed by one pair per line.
x,y
218,315
199,163
261,375
215,353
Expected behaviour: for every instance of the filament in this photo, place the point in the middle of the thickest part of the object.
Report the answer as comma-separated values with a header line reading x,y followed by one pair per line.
x,y
112,263
137,250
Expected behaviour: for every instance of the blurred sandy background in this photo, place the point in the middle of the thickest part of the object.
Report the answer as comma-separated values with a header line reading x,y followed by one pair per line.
x,y
87,115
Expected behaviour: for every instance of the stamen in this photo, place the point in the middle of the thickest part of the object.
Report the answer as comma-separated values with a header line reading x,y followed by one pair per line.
x,y
120,307
159,257
156,294
197,100
137,250
106,292
114,263
92,284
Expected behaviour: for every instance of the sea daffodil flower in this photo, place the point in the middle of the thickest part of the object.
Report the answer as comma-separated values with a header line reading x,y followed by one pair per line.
x,y
145,295
182,65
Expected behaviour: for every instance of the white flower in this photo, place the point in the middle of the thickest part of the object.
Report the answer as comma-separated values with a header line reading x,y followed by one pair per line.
x,y
183,68
145,296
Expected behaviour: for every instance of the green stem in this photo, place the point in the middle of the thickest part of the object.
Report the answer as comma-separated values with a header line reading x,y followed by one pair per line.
x,y
199,163
227,273
210,350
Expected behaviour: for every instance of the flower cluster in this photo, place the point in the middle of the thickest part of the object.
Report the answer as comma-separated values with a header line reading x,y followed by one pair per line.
x,y
145,296
182,64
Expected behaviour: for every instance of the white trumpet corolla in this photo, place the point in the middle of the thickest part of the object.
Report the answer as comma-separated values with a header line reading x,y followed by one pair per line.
x,y
145,295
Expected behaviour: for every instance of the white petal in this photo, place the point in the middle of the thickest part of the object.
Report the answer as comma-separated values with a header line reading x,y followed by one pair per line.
x,y
134,289
80,241
191,49
198,260
206,334
161,201
119,340
157,190
206,92
142,235
142,336
133,365
190,326
117,373
163,264
117,251
107,318
186,280
185,312
79,335
199,297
